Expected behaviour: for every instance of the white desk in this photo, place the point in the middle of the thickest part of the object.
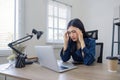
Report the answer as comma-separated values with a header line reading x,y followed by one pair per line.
x,y
37,72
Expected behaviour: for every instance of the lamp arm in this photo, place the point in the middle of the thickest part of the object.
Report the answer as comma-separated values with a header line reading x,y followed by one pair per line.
x,y
21,40
21,58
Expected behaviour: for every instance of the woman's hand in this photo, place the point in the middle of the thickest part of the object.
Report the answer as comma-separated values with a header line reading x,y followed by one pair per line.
x,y
66,38
80,38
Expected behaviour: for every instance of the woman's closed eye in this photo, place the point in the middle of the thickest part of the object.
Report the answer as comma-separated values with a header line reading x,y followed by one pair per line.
x,y
69,32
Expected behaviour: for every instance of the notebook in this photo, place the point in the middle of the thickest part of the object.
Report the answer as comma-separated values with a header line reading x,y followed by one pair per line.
x,y
46,58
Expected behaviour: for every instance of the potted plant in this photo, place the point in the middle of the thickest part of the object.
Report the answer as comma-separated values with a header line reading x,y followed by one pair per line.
x,y
20,48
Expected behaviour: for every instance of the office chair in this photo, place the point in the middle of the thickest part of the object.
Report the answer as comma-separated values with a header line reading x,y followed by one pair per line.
x,y
99,46
93,34
99,52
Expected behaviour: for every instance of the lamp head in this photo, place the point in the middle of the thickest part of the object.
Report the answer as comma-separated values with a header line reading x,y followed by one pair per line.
x,y
38,33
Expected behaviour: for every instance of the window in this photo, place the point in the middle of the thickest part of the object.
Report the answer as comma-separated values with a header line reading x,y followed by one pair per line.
x,y
58,16
7,22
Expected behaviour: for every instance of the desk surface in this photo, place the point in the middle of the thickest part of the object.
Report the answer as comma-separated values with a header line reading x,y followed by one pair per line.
x,y
37,72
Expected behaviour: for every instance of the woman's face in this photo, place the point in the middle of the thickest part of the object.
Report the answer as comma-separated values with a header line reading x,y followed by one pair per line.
x,y
72,33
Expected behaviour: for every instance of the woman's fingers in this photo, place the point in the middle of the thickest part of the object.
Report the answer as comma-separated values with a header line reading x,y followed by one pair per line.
x,y
79,32
66,37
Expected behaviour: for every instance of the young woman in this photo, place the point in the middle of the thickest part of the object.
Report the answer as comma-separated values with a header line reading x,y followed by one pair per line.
x,y
77,45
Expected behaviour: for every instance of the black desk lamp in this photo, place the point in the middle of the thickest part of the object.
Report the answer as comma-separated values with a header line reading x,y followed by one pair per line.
x,y
21,57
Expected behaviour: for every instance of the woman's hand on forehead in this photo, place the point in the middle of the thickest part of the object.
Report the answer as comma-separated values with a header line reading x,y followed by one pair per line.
x,y
78,30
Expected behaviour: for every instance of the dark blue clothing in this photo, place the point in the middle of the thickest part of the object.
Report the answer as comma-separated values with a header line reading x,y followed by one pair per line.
x,y
88,50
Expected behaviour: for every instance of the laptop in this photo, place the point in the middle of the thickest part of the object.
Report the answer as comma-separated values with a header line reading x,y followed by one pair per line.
x,y
46,58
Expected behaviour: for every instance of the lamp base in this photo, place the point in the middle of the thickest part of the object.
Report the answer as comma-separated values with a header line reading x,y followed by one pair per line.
x,y
20,61
28,62
118,61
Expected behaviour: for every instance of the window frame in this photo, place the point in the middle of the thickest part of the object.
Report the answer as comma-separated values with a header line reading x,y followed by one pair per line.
x,y
68,7
18,21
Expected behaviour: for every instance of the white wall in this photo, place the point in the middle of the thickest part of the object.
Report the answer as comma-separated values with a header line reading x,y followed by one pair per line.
x,y
35,17
95,14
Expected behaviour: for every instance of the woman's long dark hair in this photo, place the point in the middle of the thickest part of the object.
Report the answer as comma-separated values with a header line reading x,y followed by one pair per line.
x,y
77,23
